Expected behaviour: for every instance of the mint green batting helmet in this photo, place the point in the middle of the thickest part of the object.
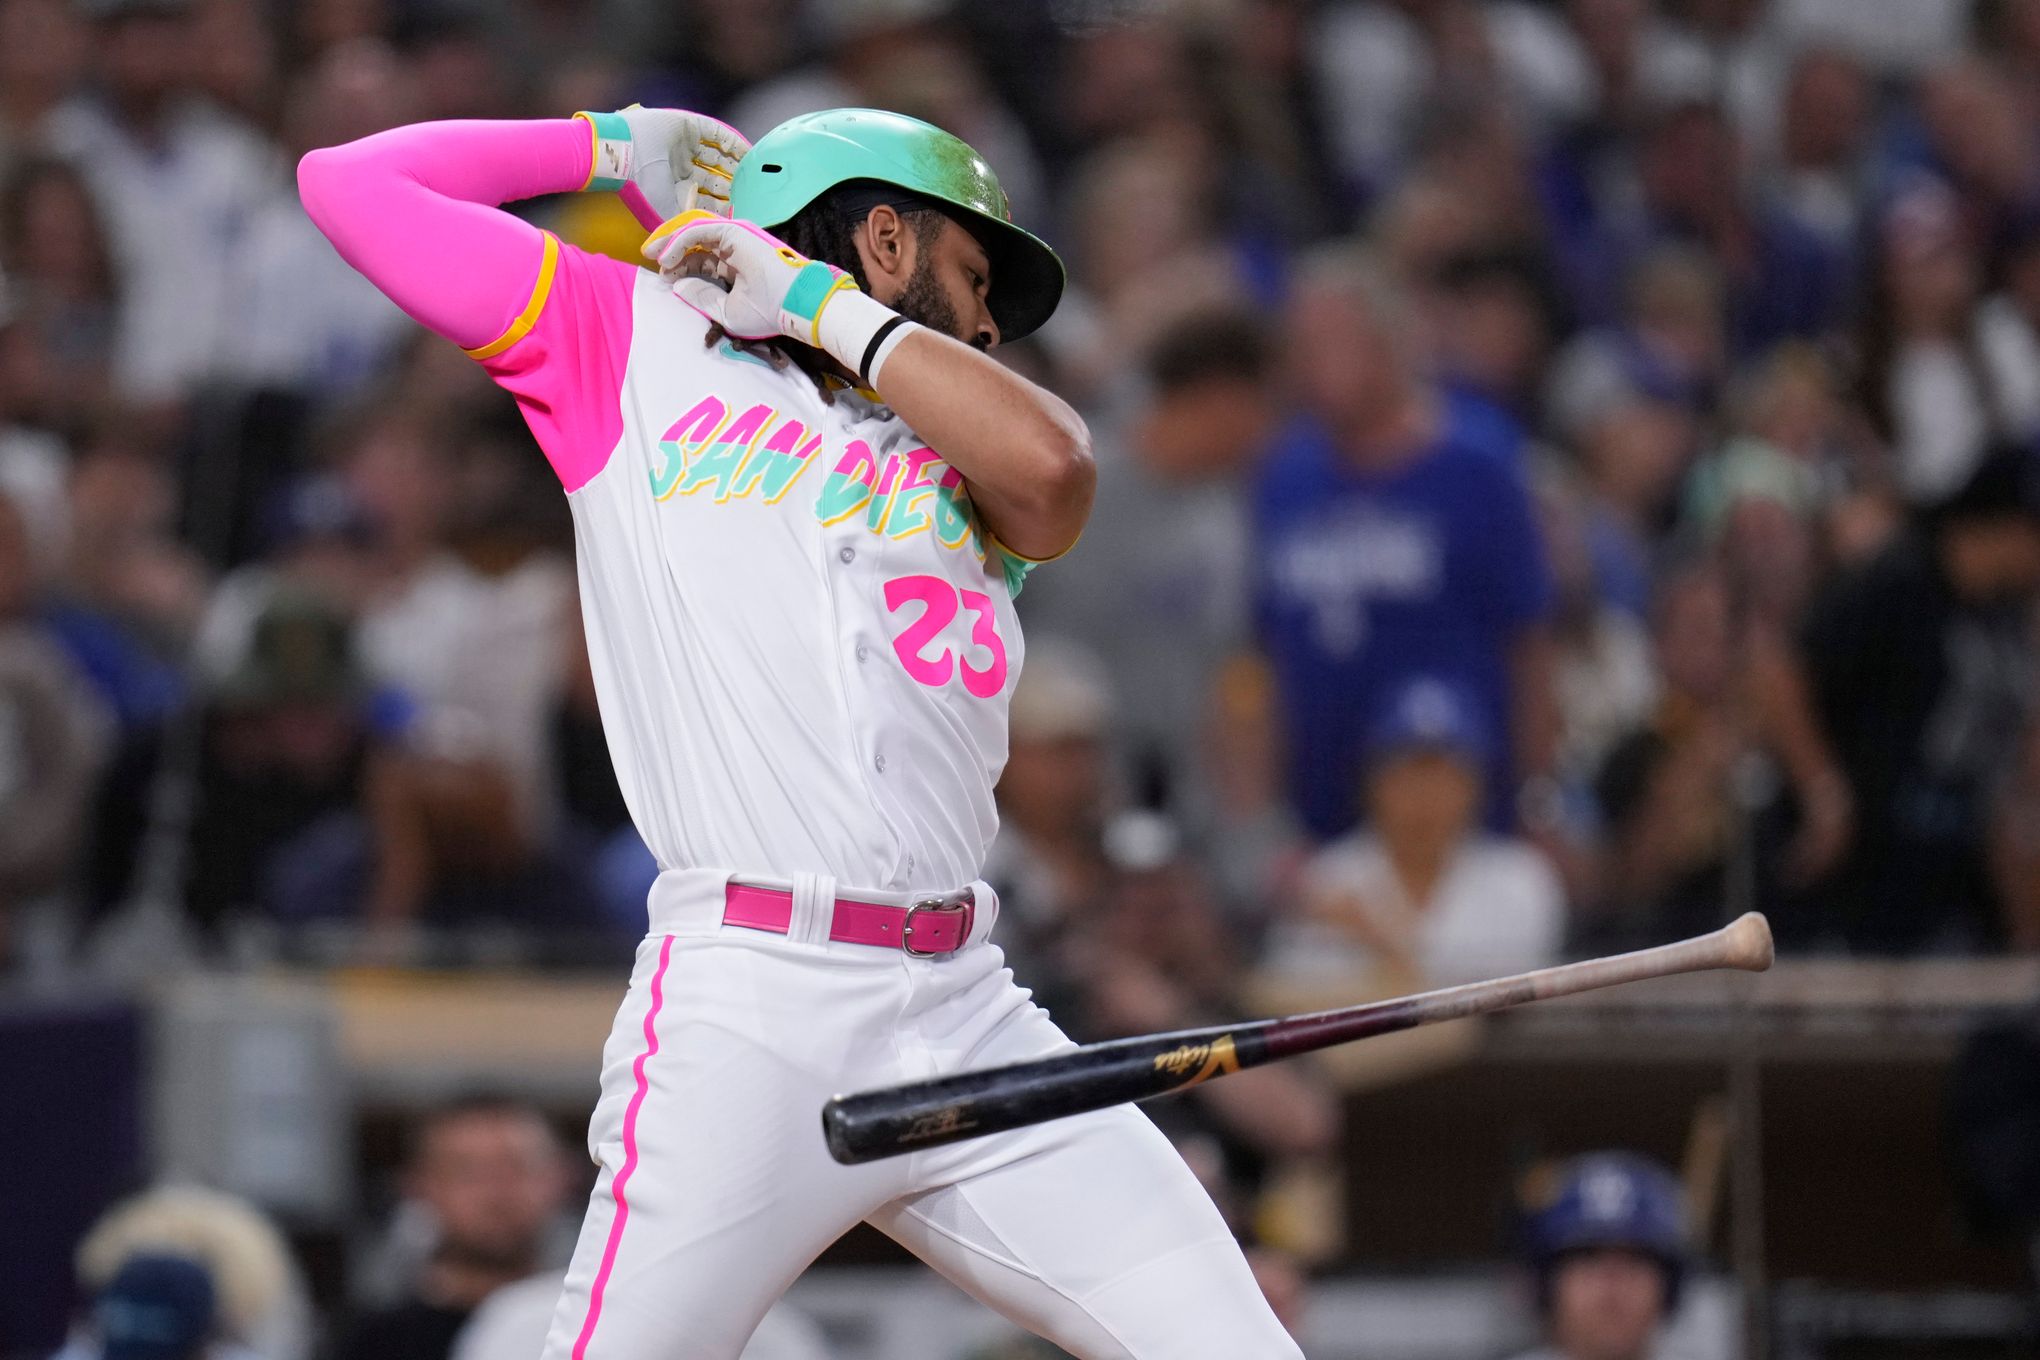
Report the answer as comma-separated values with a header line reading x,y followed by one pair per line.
x,y
805,157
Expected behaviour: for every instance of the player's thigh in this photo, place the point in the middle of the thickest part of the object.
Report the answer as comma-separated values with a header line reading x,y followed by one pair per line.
x,y
715,1189
1094,1234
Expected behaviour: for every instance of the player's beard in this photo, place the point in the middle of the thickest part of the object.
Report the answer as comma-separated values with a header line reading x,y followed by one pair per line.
x,y
923,301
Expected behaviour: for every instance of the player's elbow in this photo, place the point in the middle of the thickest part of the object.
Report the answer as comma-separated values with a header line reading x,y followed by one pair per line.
x,y
332,182
319,176
1065,474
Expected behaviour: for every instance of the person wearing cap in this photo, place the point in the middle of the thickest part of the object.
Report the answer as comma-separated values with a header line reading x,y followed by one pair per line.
x,y
159,1305
1423,893
805,498
1605,1239
156,1308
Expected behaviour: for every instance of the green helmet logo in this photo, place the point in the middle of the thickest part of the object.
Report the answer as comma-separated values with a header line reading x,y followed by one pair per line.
x,y
803,158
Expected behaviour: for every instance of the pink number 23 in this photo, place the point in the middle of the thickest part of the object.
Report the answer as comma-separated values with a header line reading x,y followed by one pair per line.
x,y
939,600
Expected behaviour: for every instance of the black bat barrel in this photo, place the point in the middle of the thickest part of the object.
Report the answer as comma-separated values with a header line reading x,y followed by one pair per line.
x,y
864,1128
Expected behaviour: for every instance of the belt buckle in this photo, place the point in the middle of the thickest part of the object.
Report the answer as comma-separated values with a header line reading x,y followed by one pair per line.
x,y
962,900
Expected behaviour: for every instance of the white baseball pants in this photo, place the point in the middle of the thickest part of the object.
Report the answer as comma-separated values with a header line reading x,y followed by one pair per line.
x,y
716,1190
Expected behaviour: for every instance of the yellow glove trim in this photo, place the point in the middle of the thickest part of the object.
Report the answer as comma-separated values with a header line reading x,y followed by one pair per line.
x,y
594,150
527,318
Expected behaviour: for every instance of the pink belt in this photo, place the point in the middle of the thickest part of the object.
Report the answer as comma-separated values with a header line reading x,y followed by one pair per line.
x,y
931,928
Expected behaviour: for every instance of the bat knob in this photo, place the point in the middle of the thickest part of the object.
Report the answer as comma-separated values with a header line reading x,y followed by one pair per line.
x,y
1747,942
836,1132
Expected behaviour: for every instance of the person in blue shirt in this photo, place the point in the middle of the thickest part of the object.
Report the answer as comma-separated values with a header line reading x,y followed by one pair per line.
x,y
1391,542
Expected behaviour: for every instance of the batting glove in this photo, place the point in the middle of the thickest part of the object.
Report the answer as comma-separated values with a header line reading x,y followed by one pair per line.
x,y
757,287
663,162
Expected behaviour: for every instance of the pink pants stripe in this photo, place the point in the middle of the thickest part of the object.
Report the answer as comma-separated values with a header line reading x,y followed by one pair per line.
x,y
630,1155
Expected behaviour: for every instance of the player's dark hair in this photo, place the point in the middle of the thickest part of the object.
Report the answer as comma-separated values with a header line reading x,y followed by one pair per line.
x,y
826,230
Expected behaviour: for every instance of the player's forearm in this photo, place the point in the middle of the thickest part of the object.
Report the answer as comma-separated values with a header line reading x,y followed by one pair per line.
x,y
1024,453
415,210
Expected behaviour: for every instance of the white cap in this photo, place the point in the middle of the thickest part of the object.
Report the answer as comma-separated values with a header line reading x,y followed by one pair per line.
x,y
1063,691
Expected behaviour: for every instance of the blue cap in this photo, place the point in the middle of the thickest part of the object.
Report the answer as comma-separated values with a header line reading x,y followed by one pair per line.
x,y
156,1308
1609,1199
1432,713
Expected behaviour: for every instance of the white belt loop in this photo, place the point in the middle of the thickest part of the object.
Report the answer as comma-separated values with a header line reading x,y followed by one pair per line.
x,y
814,908
987,911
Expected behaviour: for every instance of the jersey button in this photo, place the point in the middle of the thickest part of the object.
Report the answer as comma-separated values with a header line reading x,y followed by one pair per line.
x,y
863,651
846,554
878,763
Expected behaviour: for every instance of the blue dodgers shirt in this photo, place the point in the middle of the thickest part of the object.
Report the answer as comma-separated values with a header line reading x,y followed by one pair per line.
x,y
1364,581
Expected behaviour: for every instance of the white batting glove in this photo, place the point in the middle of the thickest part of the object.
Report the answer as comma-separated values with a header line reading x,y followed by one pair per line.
x,y
663,162
757,287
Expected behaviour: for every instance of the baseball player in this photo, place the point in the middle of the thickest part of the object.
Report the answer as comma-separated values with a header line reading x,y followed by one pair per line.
x,y
804,499
1607,1250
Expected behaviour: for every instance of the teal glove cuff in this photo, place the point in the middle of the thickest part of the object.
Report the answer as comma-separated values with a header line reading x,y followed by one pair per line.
x,y
614,153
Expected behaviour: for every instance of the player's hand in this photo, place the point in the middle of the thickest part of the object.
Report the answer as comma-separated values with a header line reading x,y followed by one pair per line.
x,y
663,162
746,280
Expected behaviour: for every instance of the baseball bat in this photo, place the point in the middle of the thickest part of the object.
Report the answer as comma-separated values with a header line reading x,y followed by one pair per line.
x,y
924,1114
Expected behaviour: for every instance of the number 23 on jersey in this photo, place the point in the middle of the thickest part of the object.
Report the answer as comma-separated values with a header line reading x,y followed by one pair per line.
x,y
924,649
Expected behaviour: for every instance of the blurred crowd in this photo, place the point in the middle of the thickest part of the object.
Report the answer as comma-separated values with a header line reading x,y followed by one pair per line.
x,y
1567,476
1569,472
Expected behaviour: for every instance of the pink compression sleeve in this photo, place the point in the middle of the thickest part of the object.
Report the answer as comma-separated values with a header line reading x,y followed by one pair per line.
x,y
414,209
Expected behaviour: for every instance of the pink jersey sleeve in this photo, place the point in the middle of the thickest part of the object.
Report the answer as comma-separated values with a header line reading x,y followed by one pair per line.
x,y
415,210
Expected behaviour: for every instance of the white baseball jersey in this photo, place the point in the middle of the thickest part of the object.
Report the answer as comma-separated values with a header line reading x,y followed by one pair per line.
x,y
802,634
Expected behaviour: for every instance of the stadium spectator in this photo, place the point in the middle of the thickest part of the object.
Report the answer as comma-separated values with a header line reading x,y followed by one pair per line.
x,y
1923,387
1674,789
1790,445
1392,542
175,178
468,609
1494,316
42,56
54,736
1667,346
1818,170
491,1178
1169,528
304,320
1921,664
1780,280
1424,897
259,1308
125,561
2008,335
1604,675
1384,67
156,1307
1605,1240
301,812
1982,146
1633,455
66,294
